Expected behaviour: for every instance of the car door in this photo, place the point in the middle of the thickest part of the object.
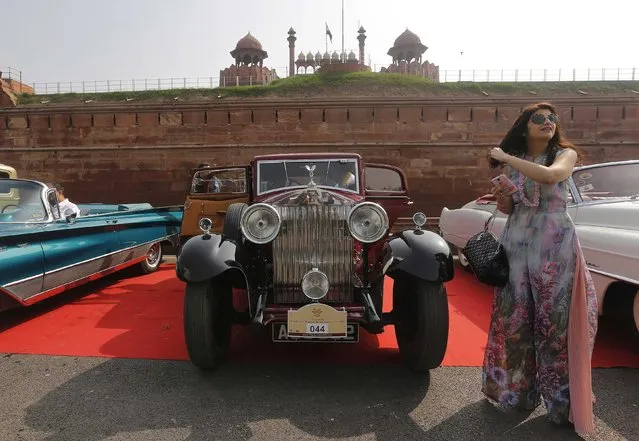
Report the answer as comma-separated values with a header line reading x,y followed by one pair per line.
x,y
386,185
78,248
138,229
209,193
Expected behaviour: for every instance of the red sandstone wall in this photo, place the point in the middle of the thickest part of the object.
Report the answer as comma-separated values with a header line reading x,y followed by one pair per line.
x,y
132,153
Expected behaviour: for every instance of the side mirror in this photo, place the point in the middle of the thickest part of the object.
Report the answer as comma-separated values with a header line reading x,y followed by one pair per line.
x,y
70,219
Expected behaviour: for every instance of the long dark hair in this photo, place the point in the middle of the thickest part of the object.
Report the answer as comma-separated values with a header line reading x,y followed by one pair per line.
x,y
514,143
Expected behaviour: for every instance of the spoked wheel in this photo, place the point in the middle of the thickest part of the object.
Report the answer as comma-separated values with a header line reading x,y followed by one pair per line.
x,y
420,311
153,258
207,324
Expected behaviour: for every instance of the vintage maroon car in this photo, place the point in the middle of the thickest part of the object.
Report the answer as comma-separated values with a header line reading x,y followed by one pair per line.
x,y
307,238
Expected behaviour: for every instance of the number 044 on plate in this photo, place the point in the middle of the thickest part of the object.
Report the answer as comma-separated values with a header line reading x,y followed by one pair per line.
x,y
317,320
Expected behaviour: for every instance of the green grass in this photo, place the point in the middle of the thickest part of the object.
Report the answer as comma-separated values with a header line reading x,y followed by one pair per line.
x,y
356,84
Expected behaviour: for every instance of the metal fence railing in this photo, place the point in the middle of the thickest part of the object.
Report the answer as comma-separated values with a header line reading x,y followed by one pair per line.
x,y
211,82
539,75
132,85
10,73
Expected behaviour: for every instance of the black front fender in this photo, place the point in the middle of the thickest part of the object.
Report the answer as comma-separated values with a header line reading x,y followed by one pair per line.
x,y
420,253
207,256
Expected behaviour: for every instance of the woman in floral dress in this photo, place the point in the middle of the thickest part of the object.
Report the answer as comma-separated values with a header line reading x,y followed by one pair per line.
x,y
544,320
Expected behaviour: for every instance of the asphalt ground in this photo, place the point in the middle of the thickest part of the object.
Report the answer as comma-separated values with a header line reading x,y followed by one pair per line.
x,y
81,399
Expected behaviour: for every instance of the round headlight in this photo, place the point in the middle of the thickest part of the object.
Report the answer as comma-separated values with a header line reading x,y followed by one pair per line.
x,y
315,284
419,219
368,222
260,223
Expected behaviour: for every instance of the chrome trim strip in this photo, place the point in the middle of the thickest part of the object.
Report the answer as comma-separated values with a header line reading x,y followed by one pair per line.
x,y
612,276
26,279
605,164
85,261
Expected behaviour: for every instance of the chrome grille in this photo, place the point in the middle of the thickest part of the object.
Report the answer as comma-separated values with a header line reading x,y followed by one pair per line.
x,y
313,236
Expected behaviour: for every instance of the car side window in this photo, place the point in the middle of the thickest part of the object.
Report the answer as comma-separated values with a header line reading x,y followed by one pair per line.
x,y
4,175
383,179
229,180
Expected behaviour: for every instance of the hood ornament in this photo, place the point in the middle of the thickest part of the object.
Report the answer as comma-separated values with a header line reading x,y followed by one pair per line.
x,y
312,195
311,170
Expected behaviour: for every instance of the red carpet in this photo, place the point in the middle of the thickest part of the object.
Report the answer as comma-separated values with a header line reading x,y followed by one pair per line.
x,y
141,317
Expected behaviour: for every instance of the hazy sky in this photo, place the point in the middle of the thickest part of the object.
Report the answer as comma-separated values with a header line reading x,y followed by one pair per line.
x,y
74,40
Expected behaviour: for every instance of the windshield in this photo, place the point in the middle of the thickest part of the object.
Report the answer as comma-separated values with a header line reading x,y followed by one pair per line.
x,y
608,182
21,201
275,175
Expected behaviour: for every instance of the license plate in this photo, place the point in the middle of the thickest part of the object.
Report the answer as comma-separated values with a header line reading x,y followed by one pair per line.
x,y
280,334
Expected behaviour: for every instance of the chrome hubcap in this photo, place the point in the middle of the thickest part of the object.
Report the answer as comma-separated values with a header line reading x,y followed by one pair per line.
x,y
153,255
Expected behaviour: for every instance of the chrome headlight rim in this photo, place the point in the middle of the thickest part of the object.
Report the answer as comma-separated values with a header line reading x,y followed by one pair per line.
x,y
382,214
252,209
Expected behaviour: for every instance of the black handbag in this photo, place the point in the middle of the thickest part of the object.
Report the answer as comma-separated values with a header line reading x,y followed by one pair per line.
x,y
487,257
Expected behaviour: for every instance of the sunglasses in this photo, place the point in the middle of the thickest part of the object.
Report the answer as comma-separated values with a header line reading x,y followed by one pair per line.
x,y
539,118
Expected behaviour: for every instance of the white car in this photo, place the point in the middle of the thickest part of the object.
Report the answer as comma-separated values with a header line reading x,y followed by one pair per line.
x,y
604,205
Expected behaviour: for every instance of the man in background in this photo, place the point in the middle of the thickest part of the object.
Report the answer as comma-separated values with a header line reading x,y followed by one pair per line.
x,y
67,208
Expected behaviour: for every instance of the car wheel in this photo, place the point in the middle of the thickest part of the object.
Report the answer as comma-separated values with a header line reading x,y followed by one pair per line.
x,y
231,228
420,311
207,327
153,258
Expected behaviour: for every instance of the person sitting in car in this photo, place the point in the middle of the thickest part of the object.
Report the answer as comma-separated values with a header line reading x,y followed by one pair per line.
x,y
67,208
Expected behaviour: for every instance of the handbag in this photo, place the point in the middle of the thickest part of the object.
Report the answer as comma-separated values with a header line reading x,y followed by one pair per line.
x,y
487,257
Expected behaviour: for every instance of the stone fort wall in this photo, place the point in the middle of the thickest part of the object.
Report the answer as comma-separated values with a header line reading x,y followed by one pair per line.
x,y
142,152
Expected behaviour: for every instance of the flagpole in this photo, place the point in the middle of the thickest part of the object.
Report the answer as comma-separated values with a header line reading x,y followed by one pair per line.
x,y
326,36
342,28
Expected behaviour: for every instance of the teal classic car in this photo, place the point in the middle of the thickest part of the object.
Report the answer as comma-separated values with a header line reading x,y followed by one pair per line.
x,y
43,253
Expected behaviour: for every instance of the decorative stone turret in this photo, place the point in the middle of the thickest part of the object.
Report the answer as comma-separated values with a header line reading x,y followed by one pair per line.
x,y
249,67
291,52
248,51
407,57
361,37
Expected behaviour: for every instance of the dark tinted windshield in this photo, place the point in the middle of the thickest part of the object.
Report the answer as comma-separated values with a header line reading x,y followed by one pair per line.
x,y
334,173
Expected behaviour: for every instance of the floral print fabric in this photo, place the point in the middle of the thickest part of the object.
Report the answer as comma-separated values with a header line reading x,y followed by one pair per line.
x,y
526,357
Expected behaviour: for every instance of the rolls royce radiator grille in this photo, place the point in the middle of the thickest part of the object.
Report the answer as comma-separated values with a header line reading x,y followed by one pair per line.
x,y
313,236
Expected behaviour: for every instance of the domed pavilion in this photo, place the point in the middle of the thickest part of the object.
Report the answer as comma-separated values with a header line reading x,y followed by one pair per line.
x,y
248,69
407,54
